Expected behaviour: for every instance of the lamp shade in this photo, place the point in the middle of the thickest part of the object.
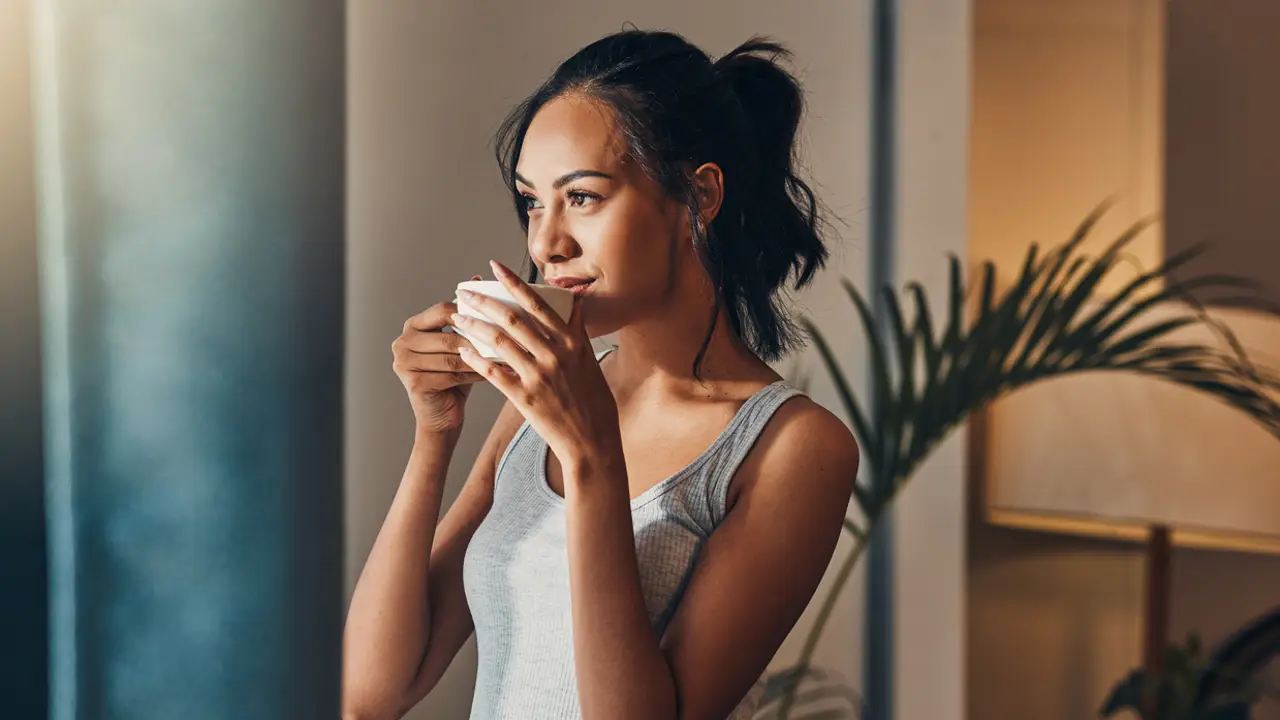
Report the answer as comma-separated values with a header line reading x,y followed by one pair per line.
x,y
1112,453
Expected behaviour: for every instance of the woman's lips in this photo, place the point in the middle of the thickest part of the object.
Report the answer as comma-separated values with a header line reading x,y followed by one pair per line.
x,y
577,284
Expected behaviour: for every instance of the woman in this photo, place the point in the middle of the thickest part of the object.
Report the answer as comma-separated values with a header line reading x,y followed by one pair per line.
x,y
642,528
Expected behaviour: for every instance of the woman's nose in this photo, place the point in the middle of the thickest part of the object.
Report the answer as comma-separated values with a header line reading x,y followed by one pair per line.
x,y
552,242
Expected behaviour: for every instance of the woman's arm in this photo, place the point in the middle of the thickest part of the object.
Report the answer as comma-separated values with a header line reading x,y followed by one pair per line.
x,y
408,614
752,580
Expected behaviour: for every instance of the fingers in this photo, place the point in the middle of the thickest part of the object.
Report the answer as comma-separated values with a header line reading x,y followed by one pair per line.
x,y
467,378
511,320
432,342
409,361
501,339
439,372
527,298
505,380
432,319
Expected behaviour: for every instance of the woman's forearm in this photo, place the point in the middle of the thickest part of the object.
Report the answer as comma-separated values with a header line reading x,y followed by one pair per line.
x,y
388,623
620,667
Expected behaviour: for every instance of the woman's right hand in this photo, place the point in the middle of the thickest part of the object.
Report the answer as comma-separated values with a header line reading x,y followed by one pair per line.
x,y
427,362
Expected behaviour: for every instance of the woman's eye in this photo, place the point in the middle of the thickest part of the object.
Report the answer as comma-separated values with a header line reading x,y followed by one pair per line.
x,y
577,195
577,198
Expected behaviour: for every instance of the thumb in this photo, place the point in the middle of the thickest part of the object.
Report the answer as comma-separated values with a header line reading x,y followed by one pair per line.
x,y
476,277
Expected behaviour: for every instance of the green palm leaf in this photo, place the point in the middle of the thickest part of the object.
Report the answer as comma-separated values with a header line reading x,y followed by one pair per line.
x,y
1051,321
802,693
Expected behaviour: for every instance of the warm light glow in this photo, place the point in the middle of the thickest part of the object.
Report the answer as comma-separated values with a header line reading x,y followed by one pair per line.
x,y
1108,454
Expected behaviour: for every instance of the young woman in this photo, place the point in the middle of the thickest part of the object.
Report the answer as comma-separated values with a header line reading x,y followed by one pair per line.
x,y
642,527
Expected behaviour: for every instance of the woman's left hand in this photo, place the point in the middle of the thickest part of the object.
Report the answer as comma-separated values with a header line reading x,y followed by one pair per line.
x,y
553,379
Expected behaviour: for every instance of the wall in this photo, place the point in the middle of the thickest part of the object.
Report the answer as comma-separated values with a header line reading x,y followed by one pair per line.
x,y
23,617
1222,151
1056,130
930,517
1222,155
1069,108
429,83
1065,115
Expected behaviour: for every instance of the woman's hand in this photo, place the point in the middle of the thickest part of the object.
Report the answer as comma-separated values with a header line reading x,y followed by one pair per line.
x,y
427,362
552,376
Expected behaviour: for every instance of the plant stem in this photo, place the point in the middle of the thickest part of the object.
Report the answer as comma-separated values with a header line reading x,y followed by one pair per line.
x,y
811,642
842,577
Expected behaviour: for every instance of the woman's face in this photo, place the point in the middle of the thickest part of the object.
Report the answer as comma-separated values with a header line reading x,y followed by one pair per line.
x,y
595,215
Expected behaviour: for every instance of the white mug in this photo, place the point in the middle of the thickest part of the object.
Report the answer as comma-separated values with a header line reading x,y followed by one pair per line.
x,y
560,300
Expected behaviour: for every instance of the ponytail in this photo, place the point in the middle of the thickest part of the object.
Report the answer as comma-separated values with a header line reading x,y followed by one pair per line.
x,y
781,221
678,110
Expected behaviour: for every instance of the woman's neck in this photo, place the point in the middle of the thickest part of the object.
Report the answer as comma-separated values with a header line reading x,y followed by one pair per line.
x,y
656,356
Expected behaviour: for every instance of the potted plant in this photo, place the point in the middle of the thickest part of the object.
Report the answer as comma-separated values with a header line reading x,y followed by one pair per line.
x,y
1191,686
929,377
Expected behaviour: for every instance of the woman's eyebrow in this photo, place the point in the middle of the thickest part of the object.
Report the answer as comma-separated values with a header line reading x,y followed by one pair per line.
x,y
568,178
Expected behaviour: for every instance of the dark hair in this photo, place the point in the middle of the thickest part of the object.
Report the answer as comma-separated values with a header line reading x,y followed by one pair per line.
x,y
678,110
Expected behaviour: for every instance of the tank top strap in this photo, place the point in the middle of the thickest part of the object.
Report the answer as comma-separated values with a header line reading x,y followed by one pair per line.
x,y
739,438
520,465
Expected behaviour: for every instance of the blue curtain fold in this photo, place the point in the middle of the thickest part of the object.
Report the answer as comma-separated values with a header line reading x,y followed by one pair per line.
x,y
190,162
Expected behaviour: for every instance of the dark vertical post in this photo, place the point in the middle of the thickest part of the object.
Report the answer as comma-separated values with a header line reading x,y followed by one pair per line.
x,y
878,653
1158,581
191,157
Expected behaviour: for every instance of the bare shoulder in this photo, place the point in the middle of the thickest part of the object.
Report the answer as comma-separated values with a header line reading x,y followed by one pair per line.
x,y
776,542
803,440
805,435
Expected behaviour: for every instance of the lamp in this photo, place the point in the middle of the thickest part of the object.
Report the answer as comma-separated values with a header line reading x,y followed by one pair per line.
x,y
1119,455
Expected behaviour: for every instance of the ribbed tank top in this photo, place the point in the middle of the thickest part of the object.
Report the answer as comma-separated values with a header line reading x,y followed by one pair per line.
x,y
516,568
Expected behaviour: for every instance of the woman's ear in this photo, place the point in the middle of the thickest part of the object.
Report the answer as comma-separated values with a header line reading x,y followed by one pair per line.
x,y
708,183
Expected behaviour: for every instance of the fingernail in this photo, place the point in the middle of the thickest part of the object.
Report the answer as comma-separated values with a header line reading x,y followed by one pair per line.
x,y
476,277
498,270
463,292
458,319
464,351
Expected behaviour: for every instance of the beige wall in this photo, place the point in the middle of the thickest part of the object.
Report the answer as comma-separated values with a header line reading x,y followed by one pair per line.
x,y
929,546
1065,115
429,83
1068,109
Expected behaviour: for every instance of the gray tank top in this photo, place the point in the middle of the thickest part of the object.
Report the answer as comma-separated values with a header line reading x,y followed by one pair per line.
x,y
516,565
516,569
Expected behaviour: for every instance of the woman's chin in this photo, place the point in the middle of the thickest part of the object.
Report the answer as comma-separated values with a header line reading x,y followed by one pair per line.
x,y
596,320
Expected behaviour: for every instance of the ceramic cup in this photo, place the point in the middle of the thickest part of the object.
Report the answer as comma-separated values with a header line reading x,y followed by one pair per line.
x,y
559,300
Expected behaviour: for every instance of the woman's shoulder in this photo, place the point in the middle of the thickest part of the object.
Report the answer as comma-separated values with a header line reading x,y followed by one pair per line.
x,y
803,426
803,439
